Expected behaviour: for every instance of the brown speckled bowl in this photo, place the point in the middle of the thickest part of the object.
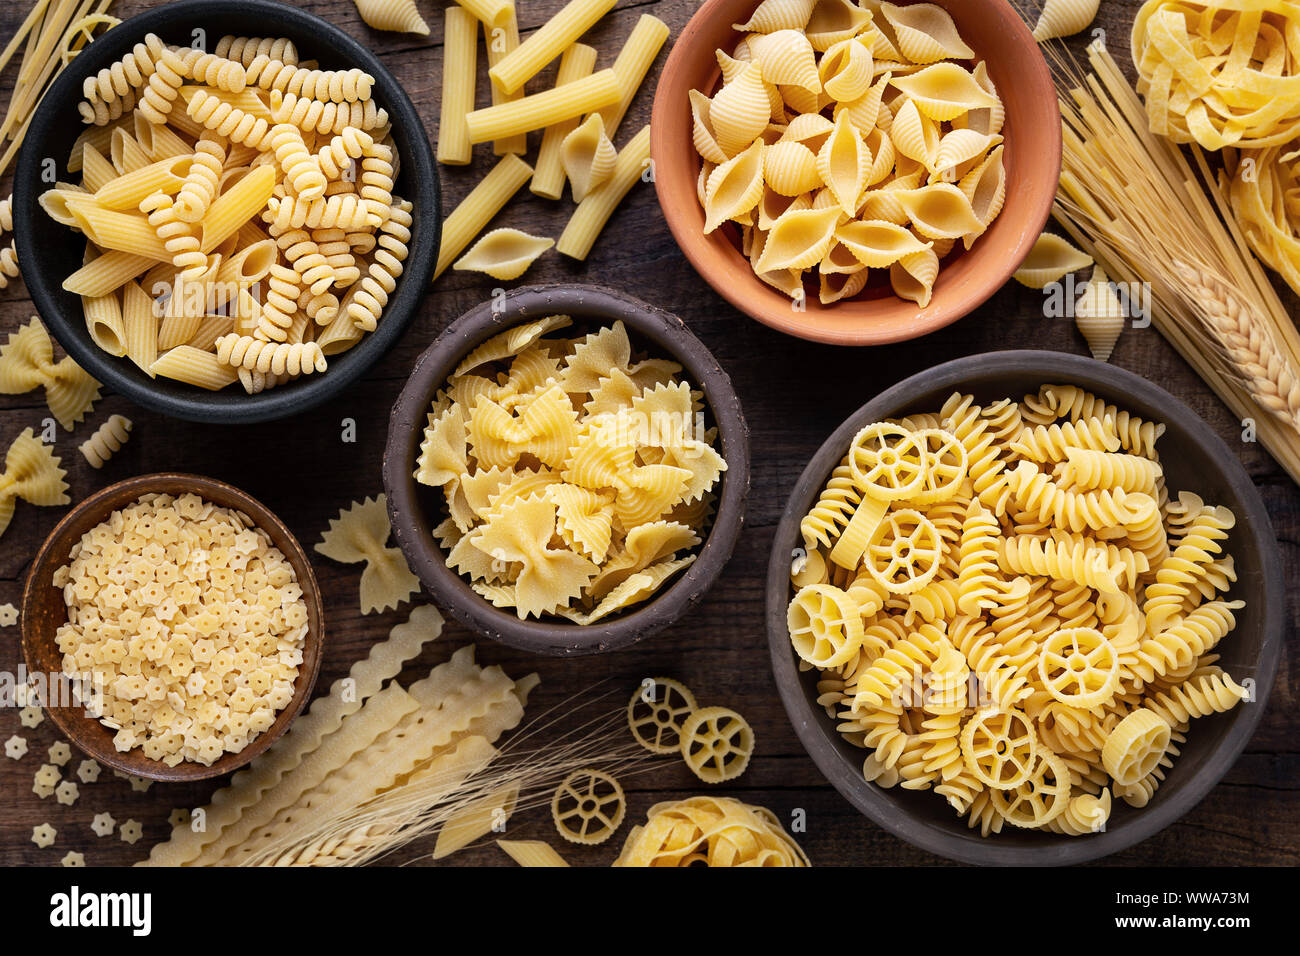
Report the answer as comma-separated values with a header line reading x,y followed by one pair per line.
x,y
999,36
44,611
415,509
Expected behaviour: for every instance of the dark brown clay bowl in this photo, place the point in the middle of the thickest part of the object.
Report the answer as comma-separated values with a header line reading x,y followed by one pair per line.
x,y
415,509
1196,460
998,35
49,252
44,610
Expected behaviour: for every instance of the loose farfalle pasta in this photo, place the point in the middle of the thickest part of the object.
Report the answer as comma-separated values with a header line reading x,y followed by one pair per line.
x,y
1025,625
1219,74
31,473
846,139
573,470
178,573
710,831
251,203
27,362
360,534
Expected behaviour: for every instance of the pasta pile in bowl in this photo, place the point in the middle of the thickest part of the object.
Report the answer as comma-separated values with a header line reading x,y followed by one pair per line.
x,y
1008,600
245,218
568,480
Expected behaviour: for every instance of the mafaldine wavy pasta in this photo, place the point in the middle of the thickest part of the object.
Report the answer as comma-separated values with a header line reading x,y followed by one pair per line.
x,y
360,534
870,111
504,254
1056,646
27,362
32,473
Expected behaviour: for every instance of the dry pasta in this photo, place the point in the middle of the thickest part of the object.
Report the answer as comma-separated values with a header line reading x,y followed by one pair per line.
x,y
504,253
548,42
400,16
460,53
710,831
557,512
1001,613
360,534
32,473
243,198
27,362
107,440
821,137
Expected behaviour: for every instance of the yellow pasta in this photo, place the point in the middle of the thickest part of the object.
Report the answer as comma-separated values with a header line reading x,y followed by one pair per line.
x,y
27,362
1063,18
543,46
531,852
501,40
595,209
476,210
538,110
193,367
631,66
588,156
1051,259
106,441
504,254
460,53
548,180
360,534
400,16
489,12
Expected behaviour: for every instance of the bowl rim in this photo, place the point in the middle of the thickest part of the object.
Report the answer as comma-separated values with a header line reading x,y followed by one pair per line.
x,y
227,406
210,489
585,303
810,722
748,293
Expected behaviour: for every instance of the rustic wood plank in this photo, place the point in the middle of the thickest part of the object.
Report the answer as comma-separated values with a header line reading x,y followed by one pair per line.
x,y
304,471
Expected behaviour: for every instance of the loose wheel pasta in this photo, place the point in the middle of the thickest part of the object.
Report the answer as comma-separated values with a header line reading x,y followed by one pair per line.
x,y
588,806
717,744
656,713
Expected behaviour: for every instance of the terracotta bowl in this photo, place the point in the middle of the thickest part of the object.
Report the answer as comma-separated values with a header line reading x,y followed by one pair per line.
x,y
1196,460
966,279
49,252
415,508
44,611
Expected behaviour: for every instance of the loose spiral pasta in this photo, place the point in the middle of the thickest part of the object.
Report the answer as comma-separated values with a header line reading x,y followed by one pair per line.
x,y
106,440
246,351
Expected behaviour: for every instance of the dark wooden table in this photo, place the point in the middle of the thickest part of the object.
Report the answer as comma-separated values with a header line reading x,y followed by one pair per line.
x,y
794,394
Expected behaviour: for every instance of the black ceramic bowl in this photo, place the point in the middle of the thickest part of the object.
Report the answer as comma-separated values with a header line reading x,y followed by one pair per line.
x,y
415,508
49,252
1194,460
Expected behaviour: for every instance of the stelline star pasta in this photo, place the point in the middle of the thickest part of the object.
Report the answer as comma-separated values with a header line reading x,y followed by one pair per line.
x,y
1008,607
578,476
848,138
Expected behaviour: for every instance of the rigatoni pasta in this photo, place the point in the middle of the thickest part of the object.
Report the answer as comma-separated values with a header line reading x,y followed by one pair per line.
x,y
459,56
240,212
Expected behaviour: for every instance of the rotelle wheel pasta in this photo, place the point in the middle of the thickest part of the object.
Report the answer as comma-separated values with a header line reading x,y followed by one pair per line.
x,y
1008,607
846,139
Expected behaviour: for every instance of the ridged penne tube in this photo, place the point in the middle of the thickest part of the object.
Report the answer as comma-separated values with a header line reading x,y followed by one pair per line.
x,y
545,44
501,40
398,16
632,64
503,254
477,209
538,110
548,179
588,156
103,315
107,273
125,232
127,192
234,207
460,53
193,367
594,211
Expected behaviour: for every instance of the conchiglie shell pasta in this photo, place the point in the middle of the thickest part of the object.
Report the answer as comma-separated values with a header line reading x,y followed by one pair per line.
x,y
944,91
846,70
925,33
844,163
913,135
773,15
940,211
740,111
773,206
839,261
833,21
1051,259
913,277
588,156
731,66
986,188
877,243
734,188
840,285
503,253
787,58
799,240
1099,314
883,156
811,129
958,147
399,16
1063,18
799,100
865,110
702,136
790,168
985,120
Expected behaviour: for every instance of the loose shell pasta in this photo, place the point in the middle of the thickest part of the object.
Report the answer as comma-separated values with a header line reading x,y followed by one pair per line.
x,y
576,473
1015,616
834,120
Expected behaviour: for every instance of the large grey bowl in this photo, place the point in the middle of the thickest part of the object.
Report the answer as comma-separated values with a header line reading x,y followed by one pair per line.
x,y
1195,459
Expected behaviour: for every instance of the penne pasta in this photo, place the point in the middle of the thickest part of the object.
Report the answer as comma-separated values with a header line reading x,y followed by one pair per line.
x,y
477,209
634,61
548,179
106,274
595,209
460,53
140,328
110,229
131,189
194,367
96,170
234,207
538,110
553,38
104,323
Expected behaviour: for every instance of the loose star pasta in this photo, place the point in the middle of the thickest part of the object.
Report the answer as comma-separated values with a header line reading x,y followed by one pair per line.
x,y
190,623
1024,622
572,470
874,143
